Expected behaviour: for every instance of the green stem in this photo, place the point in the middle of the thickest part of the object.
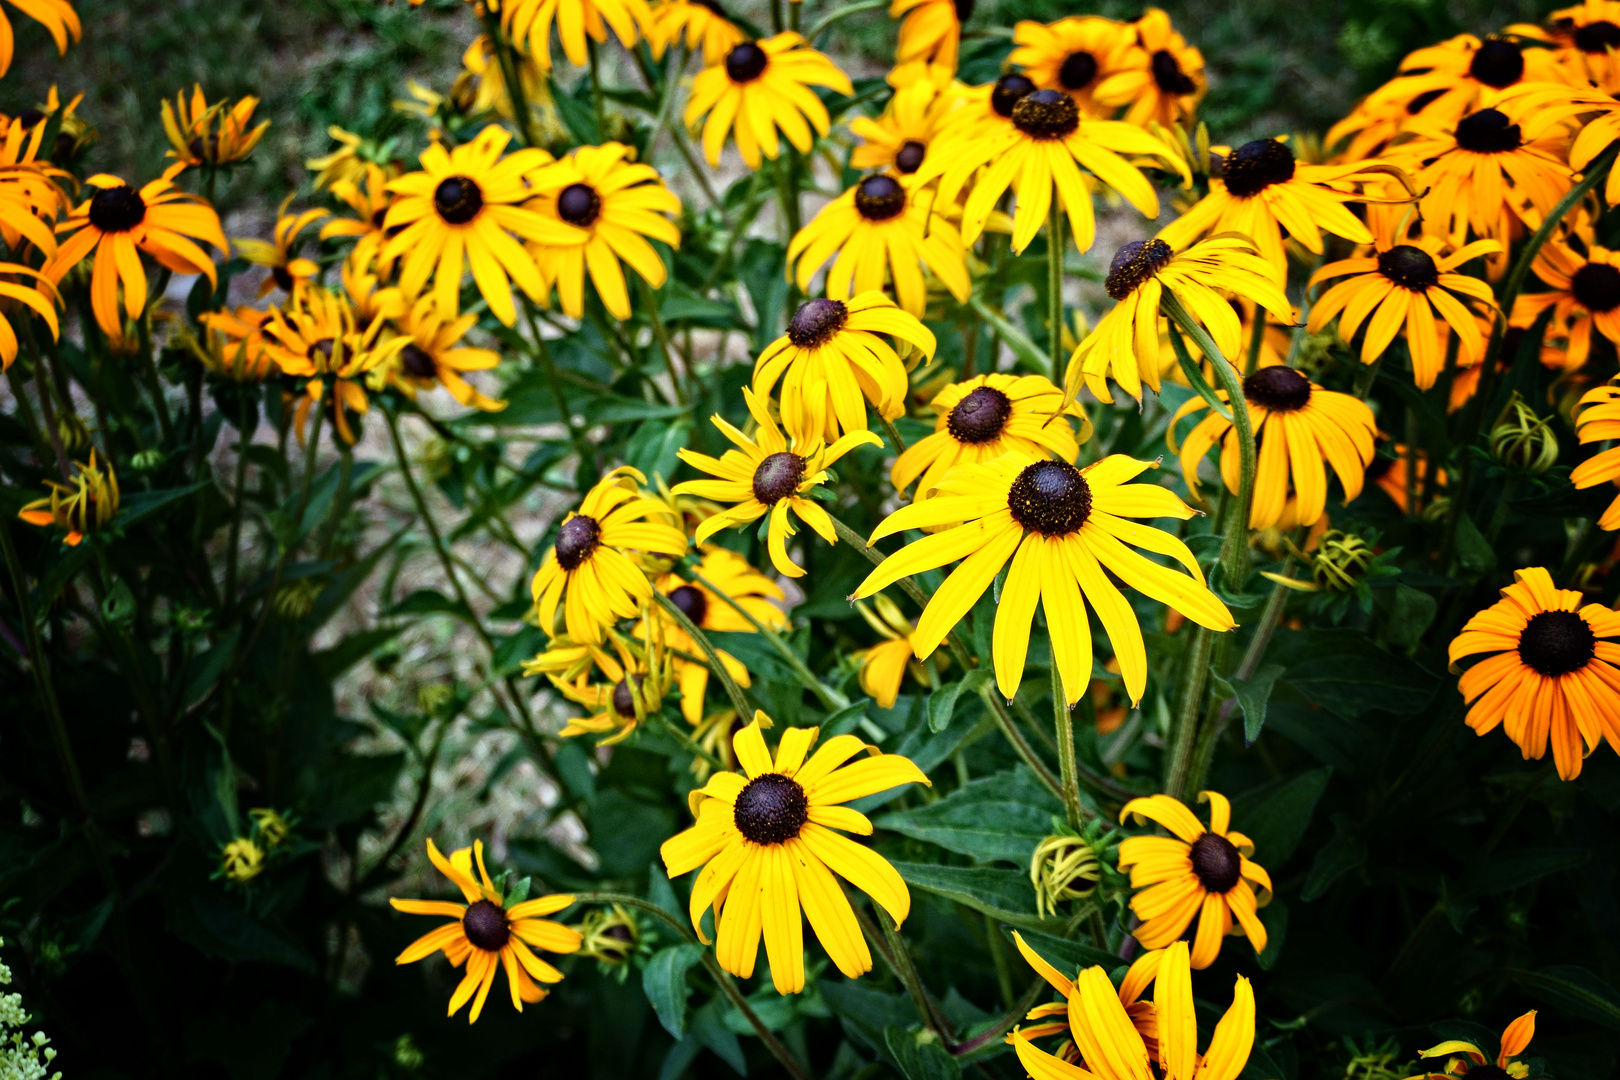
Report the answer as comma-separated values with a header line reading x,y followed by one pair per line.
x,y
1063,722
830,699
153,386
733,691
1195,672
508,59
661,335
1054,285
232,554
687,742
340,500
596,90
586,474
892,947
893,434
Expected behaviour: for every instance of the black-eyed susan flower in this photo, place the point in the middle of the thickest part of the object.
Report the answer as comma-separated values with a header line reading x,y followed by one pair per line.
x,y
1544,107
318,337
884,665
434,356
1125,344
528,25
1599,421
617,205
118,222
232,346
84,505
56,16
1159,78
1299,427
588,571
288,272
487,935
204,134
703,23
1041,152
882,229
981,418
31,195
982,111
31,289
1410,284
768,474
750,589
368,197
760,87
899,139
1138,977
634,689
1464,1058
462,210
1073,55
1583,291
1447,80
1065,531
1119,1043
1584,37
770,839
1552,676
1262,190
930,30
1195,873
831,362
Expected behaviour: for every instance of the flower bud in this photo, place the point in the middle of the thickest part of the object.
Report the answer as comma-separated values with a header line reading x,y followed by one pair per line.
x,y
1522,441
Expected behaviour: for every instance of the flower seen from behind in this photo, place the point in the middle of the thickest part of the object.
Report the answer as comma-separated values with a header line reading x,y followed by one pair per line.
x,y
709,611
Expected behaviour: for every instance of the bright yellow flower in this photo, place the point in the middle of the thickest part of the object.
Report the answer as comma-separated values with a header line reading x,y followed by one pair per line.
x,y
1074,55
1599,421
1584,293
930,30
288,272
899,139
85,506
318,336
434,356
704,24
759,87
1159,77
369,199
204,134
528,25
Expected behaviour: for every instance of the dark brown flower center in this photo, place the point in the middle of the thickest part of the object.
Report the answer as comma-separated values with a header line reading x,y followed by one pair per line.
x,y
964,10
624,696
816,322
579,204
1078,69
777,477
576,540
879,198
1216,862
485,926
1423,101
1009,91
29,117
204,150
1278,389
418,362
1409,267
979,417
378,216
1598,37
1046,114
282,277
909,158
1255,166
322,351
1135,263
745,62
1556,643
693,604
1379,467
458,200
117,209
1050,497
771,809
1497,63
1597,287
1488,132
1168,75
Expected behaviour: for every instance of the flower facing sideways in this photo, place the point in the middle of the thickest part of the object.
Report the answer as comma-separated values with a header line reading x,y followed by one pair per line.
x,y
1465,1059
85,505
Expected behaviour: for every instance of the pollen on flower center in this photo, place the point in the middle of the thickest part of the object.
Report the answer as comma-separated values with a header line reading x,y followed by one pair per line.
x,y
746,62
1050,497
1216,862
980,416
777,477
1598,37
117,209
485,926
458,199
1409,267
1009,91
1278,389
1046,114
909,158
1255,166
1597,286
1488,132
1078,69
693,604
816,322
1135,263
1168,75
771,809
1497,63
579,204
1556,643
879,198
576,540
417,362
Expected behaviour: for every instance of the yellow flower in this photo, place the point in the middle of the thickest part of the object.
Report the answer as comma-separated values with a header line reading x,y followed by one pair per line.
x,y
368,197
273,828
56,16
434,356
617,205
883,665
1194,873
831,362
930,30
766,841
528,25
463,209
1467,1059
703,22
30,196
288,272
1584,293
589,572
732,575
1543,106
39,296
86,505
1065,531
233,345
241,860
759,87
1074,55
882,228
768,475
319,335
900,138
1159,78
1599,421
204,134
634,691
487,935
347,162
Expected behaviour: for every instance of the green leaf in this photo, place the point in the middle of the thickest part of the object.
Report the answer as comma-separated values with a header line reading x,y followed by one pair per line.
x,y
662,893
845,720
430,602
994,817
1410,613
1575,990
1274,917
1516,869
919,1055
1001,894
1276,816
1251,694
203,671
1341,670
1474,552
351,650
664,982
1338,857
712,1032
1069,957
942,702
